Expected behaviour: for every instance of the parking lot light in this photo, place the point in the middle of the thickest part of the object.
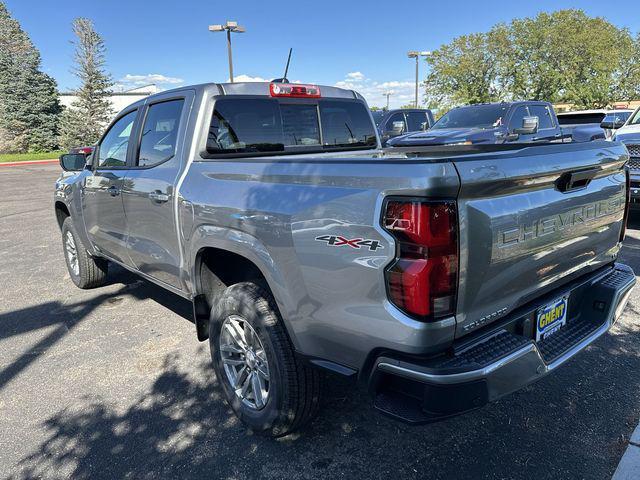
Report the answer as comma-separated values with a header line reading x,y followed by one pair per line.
x,y
228,27
417,54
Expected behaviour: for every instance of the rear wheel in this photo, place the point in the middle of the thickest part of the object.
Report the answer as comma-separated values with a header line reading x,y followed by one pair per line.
x,y
269,389
85,271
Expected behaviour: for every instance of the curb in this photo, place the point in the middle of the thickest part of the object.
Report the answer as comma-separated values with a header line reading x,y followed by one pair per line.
x,y
27,162
629,466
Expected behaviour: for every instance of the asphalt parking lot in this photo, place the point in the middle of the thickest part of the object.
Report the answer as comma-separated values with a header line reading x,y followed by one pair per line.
x,y
111,383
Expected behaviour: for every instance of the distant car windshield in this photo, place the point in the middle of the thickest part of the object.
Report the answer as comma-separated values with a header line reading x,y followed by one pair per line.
x,y
378,115
635,118
473,116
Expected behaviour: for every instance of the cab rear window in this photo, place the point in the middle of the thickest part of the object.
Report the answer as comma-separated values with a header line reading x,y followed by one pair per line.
x,y
250,125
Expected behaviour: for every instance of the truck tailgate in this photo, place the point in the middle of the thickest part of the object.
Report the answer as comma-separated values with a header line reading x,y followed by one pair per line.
x,y
533,219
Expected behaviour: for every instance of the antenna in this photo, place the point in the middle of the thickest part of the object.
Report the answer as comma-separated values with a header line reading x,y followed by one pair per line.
x,y
286,70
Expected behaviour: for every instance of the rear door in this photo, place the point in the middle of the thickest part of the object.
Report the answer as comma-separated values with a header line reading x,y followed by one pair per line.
x,y
148,192
102,205
524,230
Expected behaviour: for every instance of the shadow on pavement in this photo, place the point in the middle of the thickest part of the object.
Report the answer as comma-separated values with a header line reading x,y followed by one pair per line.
x,y
568,425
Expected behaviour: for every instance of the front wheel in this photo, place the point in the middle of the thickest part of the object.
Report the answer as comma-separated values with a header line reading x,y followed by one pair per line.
x,y
85,271
269,389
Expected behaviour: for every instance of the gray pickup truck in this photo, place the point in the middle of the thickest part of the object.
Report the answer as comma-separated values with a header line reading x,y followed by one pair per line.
x,y
440,277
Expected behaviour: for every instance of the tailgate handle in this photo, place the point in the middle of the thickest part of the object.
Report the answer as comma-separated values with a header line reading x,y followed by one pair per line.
x,y
571,181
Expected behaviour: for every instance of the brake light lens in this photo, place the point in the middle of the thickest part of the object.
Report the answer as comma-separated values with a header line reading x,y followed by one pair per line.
x,y
422,281
625,218
294,90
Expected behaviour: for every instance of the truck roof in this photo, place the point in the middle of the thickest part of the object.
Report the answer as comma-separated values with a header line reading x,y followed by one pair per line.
x,y
254,88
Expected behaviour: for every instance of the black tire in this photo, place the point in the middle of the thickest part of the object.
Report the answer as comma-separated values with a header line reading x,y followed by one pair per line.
x,y
91,271
294,388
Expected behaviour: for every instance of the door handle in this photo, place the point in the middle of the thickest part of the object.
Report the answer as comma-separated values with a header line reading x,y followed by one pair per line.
x,y
113,191
158,196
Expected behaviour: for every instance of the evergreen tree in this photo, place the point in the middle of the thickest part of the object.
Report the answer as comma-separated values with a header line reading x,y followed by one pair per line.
x,y
84,122
29,105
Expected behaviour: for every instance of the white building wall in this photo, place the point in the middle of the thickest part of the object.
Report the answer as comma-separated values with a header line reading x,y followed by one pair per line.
x,y
119,100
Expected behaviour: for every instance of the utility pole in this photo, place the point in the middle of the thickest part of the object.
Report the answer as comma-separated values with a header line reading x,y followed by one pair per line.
x,y
416,54
228,27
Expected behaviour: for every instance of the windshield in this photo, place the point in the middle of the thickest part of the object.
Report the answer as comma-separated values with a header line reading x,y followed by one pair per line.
x,y
377,115
473,116
252,125
635,118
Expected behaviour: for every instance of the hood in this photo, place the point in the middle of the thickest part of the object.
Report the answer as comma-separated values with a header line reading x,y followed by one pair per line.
x,y
442,136
628,134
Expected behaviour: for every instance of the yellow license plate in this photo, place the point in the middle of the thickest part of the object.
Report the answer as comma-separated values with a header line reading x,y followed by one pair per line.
x,y
551,318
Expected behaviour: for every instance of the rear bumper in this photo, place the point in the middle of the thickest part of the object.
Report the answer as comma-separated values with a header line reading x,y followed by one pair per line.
x,y
498,363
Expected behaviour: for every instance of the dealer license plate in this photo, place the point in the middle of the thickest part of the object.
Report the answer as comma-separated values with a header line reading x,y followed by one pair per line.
x,y
551,318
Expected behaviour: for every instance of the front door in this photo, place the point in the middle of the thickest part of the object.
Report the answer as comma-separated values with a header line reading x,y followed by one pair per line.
x,y
149,190
102,206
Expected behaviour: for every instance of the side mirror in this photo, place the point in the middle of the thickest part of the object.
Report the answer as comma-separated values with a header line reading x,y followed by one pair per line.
x,y
424,126
73,162
397,128
529,126
612,124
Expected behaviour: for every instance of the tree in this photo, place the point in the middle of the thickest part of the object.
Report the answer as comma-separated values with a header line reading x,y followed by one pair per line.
x,y
29,105
84,121
564,56
463,71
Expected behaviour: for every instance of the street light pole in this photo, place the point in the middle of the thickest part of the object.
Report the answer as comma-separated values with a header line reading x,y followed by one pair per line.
x,y
416,54
230,54
388,94
228,27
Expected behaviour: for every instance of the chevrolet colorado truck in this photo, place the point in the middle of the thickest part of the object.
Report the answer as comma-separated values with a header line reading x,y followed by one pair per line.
x,y
441,278
499,123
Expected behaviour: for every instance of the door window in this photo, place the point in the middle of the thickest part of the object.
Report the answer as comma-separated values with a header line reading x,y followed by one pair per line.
x,y
517,117
113,148
544,116
417,121
396,117
160,133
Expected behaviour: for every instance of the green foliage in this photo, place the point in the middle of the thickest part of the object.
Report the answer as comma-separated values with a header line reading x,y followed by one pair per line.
x,y
83,123
25,157
564,56
29,106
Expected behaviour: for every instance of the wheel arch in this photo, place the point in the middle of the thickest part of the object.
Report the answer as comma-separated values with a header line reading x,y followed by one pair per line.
x,y
217,265
62,212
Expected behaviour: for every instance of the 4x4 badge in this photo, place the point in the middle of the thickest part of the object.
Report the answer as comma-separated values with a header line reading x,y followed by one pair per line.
x,y
339,241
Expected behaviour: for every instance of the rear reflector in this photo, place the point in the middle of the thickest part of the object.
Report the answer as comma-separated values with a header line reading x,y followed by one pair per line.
x,y
422,281
294,90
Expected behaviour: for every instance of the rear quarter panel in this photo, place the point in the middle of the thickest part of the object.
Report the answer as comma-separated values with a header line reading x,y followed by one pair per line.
x,y
332,298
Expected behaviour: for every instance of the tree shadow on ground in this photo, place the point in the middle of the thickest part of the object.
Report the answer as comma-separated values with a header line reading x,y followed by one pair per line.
x,y
572,424
181,428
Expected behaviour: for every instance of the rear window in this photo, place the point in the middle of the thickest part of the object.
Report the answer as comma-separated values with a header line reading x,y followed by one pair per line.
x,y
580,118
250,125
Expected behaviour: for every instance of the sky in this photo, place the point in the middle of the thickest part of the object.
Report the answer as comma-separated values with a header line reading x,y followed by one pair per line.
x,y
359,45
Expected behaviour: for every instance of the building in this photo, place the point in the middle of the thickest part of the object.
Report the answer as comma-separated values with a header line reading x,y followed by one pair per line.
x,y
631,104
119,100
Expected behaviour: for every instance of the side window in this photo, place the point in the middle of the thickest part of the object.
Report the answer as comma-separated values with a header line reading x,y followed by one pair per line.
x,y
417,121
516,118
396,117
544,116
113,148
160,133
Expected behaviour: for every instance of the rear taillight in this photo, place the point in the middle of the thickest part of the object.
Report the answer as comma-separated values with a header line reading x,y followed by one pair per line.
x,y
422,281
623,232
294,90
